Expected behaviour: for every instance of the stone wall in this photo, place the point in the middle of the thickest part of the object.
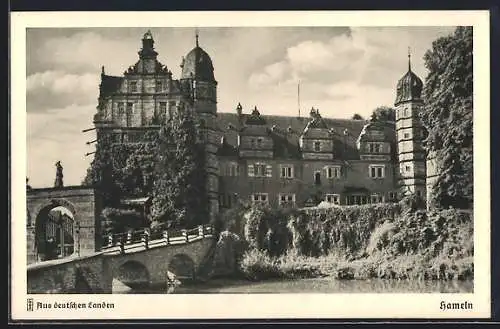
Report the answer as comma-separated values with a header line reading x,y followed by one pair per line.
x,y
82,202
70,275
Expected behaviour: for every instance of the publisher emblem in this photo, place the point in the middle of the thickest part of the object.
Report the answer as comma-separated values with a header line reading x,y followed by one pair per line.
x,y
29,304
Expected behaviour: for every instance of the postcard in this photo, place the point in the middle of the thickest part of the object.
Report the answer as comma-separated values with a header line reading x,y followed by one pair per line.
x,y
250,165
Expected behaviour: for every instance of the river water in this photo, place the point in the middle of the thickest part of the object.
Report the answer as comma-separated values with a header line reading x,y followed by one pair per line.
x,y
315,285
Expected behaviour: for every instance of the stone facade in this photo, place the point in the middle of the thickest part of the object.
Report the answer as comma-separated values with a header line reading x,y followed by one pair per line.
x,y
279,160
83,203
410,134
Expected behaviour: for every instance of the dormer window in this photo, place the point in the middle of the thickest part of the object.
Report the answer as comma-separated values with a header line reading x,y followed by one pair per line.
x,y
317,146
375,147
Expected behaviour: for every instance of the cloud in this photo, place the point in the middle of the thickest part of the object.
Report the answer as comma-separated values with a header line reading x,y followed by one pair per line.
x,y
57,135
85,51
356,70
57,89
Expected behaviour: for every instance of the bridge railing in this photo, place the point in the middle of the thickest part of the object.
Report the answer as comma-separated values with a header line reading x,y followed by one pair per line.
x,y
147,238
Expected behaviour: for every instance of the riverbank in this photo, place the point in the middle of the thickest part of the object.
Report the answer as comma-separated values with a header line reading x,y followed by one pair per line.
x,y
381,241
256,266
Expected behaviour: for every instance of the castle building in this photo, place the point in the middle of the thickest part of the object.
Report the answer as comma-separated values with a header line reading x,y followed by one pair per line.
x,y
277,160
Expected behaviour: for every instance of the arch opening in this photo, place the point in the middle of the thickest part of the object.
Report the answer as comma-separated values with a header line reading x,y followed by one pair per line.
x,y
55,232
182,266
133,274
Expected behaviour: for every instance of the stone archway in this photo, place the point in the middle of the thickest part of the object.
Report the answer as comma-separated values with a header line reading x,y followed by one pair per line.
x,y
55,228
133,274
182,266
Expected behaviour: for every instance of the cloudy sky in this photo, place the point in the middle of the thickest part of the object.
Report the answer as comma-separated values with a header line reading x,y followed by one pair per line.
x,y
342,71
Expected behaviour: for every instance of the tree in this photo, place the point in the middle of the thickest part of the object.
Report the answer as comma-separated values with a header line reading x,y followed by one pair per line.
x,y
357,116
447,116
101,173
139,166
179,191
121,170
383,114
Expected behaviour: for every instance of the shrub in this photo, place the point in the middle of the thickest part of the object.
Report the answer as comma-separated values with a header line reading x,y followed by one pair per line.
x,y
256,264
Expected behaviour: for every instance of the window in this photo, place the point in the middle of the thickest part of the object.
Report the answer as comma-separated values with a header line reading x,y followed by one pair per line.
x,y
419,193
406,112
117,138
234,169
377,198
407,168
133,86
252,143
375,147
286,171
171,108
317,178
260,170
226,200
159,86
133,137
286,199
259,142
406,135
393,195
121,110
260,198
376,171
333,172
317,146
163,108
332,198
130,113
357,199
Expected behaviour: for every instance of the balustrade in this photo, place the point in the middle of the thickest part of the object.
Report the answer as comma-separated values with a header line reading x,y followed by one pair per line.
x,y
145,237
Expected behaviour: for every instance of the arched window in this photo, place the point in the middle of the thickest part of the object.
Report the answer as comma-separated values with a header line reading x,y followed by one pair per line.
x,y
317,178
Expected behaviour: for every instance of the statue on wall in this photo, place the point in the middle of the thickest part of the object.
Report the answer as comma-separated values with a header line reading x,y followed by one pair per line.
x,y
59,175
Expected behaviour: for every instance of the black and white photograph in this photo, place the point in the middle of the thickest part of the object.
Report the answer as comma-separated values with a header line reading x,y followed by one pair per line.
x,y
284,160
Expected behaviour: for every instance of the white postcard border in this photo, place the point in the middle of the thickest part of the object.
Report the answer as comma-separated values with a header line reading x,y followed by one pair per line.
x,y
237,306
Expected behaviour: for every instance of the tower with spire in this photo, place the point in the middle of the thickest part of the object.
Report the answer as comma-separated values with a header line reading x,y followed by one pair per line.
x,y
198,73
410,133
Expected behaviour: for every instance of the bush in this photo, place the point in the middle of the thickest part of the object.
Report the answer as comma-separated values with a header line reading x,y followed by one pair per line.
x,y
256,265
391,241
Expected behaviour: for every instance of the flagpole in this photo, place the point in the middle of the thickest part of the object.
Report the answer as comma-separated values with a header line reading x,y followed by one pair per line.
x,y
298,96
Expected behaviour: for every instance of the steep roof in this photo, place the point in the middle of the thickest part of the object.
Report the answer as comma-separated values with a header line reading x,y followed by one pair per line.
x,y
198,65
287,131
110,84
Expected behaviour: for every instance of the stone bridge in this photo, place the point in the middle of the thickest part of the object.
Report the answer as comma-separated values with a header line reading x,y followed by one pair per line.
x,y
185,254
